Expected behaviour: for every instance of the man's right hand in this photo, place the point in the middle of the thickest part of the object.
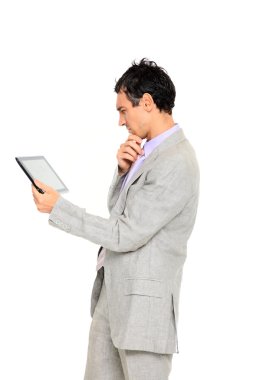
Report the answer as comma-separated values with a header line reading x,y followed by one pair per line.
x,y
128,153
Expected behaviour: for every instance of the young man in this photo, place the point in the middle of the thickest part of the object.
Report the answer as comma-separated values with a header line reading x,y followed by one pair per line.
x,y
152,203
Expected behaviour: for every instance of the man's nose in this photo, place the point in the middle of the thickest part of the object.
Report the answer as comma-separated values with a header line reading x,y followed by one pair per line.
x,y
122,121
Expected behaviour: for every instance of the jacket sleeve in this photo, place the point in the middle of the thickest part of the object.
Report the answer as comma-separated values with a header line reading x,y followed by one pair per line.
x,y
163,195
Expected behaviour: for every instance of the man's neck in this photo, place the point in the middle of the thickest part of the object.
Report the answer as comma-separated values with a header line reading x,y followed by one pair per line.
x,y
160,125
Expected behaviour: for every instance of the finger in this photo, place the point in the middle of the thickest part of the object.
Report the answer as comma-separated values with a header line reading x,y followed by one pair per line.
x,y
35,192
44,187
135,147
135,138
132,146
128,157
129,150
40,184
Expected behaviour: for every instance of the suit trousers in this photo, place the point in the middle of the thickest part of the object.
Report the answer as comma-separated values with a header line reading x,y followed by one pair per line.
x,y
106,362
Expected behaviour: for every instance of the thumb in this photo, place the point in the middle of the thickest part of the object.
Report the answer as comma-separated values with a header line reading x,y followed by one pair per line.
x,y
41,185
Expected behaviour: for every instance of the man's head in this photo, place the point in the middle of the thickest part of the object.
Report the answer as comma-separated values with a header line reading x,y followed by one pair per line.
x,y
145,93
147,77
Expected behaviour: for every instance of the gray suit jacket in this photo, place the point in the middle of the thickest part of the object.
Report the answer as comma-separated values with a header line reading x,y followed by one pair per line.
x,y
146,241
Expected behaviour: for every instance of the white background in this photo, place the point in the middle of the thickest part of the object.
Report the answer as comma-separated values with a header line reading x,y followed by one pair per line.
x,y
59,61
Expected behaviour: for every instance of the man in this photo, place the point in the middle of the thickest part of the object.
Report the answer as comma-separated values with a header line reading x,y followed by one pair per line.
x,y
152,202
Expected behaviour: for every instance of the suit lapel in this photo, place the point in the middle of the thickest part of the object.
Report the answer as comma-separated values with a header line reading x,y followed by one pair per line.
x,y
148,162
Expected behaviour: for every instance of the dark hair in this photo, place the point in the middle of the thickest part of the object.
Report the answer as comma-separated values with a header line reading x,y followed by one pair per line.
x,y
147,77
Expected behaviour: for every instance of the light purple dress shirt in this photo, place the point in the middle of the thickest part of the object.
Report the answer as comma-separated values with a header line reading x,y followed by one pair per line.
x,y
148,147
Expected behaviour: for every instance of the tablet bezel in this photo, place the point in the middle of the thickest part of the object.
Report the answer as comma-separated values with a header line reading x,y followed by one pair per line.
x,y
21,162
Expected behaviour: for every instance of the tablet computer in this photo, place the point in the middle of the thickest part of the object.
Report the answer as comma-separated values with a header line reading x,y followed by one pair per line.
x,y
37,167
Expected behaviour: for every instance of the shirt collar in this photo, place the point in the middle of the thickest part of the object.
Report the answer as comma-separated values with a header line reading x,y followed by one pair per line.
x,y
150,145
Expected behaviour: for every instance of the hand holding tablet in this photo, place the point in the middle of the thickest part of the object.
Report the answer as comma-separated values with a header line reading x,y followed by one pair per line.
x,y
45,201
46,183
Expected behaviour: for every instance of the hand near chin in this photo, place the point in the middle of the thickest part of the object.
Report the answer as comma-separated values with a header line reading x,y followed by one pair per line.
x,y
128,153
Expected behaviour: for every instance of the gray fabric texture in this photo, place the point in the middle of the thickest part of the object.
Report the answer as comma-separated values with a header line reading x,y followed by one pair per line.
x,y
145,238
106,362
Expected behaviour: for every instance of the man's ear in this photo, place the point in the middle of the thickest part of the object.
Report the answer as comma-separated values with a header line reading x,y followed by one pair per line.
x,y
147,102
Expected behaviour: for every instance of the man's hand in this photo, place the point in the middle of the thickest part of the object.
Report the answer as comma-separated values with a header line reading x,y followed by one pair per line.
x,y
128,153
45,202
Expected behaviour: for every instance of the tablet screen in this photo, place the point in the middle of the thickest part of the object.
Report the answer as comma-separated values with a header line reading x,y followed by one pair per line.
x,y
37,167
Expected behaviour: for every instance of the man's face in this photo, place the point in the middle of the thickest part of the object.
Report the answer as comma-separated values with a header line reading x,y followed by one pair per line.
x,y
134,118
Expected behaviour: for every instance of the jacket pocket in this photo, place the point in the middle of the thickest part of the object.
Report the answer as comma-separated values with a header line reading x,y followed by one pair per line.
x,y
143,287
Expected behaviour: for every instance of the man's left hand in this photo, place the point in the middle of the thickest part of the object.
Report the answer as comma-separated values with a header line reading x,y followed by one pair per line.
x,y
45,202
